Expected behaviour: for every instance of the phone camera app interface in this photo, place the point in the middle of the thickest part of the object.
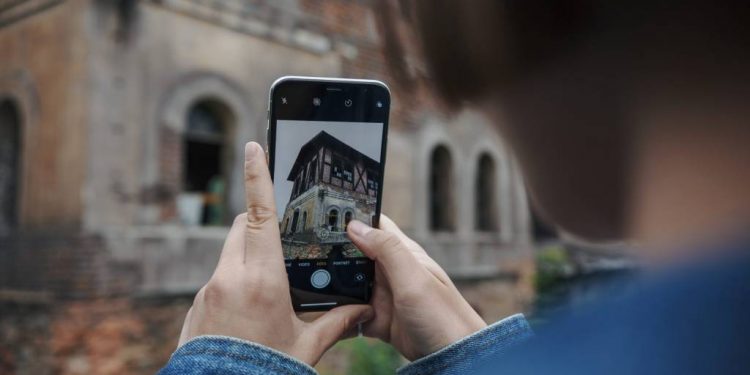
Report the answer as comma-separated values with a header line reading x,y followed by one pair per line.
x,y
326,174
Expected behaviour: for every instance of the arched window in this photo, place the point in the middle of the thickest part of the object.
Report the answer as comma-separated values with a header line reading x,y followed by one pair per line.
x,y
485,195
304,221
442,209
333,220
10,154
206,157
347,219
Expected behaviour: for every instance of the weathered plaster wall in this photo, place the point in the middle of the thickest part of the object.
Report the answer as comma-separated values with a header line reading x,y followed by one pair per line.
x,y
150,81
49,85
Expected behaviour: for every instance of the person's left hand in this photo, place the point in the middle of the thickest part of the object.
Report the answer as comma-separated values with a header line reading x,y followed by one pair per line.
x,y
248,295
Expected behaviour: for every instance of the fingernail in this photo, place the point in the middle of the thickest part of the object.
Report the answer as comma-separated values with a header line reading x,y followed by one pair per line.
x,y
366,316
359,228
251,150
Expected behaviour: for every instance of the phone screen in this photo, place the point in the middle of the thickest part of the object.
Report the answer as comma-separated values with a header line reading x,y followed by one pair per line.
x,y
327,155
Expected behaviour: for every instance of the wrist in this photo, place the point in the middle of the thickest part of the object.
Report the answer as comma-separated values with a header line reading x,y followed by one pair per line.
x,y
467,328
452,331
462,353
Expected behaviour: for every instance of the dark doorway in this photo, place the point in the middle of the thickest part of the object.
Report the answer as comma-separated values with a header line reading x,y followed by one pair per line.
x,y
442,213
347,219
295,218
333,220
485,196
10,161
206,157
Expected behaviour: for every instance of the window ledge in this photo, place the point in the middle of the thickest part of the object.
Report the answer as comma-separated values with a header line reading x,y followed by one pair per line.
x,y
160,231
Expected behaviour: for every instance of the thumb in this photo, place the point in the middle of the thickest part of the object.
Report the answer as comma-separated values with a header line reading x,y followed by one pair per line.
x,y
337,323
387,249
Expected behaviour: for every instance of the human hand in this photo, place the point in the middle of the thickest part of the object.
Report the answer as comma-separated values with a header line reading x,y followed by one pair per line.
x,y
248,294
417,308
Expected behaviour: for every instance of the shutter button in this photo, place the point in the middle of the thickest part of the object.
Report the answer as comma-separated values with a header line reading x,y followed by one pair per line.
x,y
320,279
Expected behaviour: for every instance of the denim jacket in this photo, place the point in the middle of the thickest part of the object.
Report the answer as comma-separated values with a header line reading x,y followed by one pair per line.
x,y
228,355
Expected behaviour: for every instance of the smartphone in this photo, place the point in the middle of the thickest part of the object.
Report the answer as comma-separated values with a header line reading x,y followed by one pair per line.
x,y
326,147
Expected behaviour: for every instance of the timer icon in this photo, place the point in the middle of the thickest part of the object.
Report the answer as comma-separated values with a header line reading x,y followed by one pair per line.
x,y
348,102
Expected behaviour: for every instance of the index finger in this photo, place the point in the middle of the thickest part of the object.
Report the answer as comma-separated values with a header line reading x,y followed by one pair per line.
x,y
399,264
262,239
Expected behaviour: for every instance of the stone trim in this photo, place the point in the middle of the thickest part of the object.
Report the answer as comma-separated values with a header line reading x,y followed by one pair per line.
x,y
170,122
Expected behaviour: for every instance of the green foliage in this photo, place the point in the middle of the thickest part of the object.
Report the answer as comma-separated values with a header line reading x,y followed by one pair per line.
x,y
552,264
371,357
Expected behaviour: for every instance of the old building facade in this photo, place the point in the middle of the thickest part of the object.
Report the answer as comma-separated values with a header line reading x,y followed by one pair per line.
x,y
116,115
122,125
333,185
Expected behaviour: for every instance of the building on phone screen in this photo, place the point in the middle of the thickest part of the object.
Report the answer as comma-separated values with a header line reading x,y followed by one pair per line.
x,y
333,185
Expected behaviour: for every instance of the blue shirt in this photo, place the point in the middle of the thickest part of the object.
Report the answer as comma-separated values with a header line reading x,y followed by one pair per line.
x,y
692,320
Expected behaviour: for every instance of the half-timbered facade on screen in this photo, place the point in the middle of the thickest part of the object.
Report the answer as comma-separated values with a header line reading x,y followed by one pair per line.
x,y
333,184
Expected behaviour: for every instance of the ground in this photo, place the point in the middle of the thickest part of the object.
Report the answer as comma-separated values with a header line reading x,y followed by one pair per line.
x,y
136,335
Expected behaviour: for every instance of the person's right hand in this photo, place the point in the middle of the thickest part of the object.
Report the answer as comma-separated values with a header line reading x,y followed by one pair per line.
x,y
418,310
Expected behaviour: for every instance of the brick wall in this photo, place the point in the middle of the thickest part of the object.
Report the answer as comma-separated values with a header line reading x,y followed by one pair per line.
x,y
170,171
63,264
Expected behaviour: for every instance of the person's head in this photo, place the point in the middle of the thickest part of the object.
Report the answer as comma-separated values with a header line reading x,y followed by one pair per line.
x,y
570,83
